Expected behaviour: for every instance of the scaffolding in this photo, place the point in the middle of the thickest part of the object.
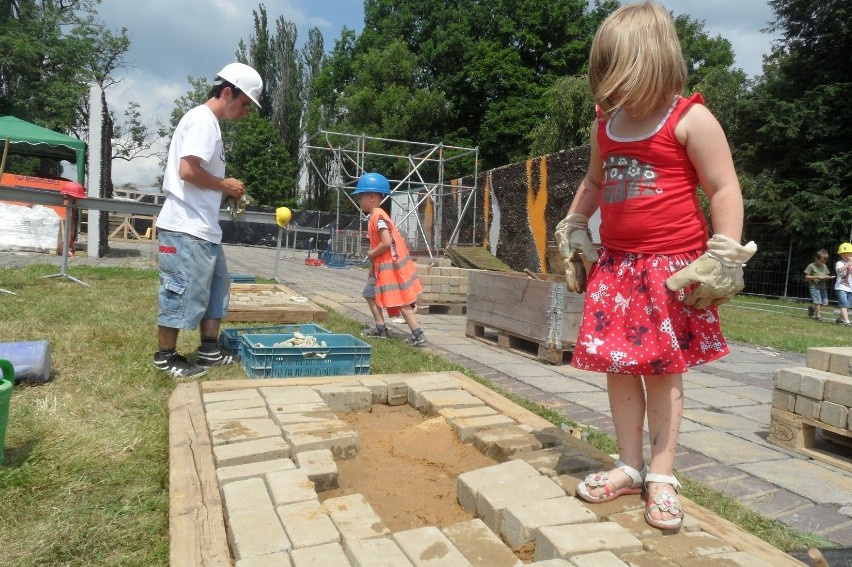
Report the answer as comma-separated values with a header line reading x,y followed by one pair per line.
x,y
420,190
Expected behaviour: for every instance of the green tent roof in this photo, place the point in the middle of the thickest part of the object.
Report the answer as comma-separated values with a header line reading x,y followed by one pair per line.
x,y
30,140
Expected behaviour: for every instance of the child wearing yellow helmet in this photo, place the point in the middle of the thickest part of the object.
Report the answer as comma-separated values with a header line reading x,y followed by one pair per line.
x,y
843,283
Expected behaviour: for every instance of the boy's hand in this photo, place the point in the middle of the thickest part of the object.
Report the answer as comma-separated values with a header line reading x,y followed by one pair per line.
x,y
719,272
572,236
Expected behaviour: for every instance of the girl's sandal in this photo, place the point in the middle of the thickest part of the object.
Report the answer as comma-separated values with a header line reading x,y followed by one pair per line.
x,y
664,502
600,480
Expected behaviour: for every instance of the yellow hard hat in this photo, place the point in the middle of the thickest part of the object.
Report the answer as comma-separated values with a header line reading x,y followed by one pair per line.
x,y
283,216
845,248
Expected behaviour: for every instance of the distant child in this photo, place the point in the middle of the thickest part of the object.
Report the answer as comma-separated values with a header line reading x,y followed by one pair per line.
x,y
393,281
843,283
817,273
645,322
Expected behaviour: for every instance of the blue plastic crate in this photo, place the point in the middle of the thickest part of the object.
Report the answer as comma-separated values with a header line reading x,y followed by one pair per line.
x,y
242,278
342,355
230,339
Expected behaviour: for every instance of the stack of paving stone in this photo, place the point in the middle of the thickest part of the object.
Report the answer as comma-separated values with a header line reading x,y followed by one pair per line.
x,y
274,449
818,395
442,283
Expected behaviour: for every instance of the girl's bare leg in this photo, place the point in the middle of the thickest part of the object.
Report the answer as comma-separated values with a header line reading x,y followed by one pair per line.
x,y
665,411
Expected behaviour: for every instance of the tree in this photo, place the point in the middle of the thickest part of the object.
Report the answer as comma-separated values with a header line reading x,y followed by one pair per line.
x,y
259,159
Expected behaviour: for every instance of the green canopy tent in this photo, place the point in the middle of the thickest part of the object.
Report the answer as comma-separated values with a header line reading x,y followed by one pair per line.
x,y
30,140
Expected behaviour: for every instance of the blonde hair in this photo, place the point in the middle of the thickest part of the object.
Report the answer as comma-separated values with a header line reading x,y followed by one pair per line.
x,y
635,60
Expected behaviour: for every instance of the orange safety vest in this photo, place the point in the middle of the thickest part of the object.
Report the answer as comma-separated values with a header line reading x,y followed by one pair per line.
x,y
396,276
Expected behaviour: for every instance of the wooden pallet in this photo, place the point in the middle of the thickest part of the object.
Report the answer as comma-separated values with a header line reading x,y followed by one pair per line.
x,y
442,309
525,346
798,433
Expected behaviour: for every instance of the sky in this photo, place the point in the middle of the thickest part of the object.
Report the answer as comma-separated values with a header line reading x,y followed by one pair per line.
x,y
175,39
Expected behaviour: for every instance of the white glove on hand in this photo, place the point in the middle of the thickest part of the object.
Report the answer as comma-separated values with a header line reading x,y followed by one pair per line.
x,y
572,236
719,272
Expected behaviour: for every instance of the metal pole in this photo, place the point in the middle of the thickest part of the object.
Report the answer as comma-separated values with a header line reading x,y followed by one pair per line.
x,y
789,261
277,255
69,210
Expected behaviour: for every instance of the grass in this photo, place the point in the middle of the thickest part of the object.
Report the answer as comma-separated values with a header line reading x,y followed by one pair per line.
x,y
85,477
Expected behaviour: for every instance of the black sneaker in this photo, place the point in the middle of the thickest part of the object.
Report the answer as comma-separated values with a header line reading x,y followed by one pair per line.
x,y
376,333
416,340
206,359
177,366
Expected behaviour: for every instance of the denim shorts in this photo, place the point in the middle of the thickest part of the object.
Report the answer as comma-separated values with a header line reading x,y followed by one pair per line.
x,y
819,296
194,280
370,287
843,298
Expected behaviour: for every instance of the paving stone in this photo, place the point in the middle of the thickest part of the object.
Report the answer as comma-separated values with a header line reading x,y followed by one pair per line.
x,y
484,440
346,399
466,428
732,559
841,536
555,461
456,413
342,443
744,488
480,545
804,478
807,407
307,524
242,403
785,401
252,470
397,391
712,473
377,552
304,417
227,395
307,407
320,467
285,395
726,448
328,555
689,460
715,398
839,390
598,559
682,545
552,563
253,526
428,547
755,393
521,520
281,559
470,483
288,487
238,430
720,420
244,413
432,402
355,518
647,559
576,539
776,503
332,424
634,522
834,414
251,451
504,449
417,386
378,388
814,519
602,509
493,499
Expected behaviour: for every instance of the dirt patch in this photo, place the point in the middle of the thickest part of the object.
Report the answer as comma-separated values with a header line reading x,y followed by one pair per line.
x,y
407,467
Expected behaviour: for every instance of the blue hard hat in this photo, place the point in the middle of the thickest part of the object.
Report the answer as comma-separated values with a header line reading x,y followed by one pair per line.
x,y
372,183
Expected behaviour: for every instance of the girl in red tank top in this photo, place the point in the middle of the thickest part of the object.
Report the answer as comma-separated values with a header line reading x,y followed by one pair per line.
x,y
650,151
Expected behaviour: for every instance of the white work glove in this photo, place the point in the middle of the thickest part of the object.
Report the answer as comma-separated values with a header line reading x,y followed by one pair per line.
x,y
572,236
719,272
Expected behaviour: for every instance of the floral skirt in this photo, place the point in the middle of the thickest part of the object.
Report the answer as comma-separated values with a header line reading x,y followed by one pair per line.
x,y
633,324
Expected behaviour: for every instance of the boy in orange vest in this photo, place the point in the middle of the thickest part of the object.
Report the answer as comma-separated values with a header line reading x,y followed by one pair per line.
x,y
393,278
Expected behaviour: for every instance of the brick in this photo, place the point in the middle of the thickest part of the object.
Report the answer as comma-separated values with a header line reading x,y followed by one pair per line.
x,y
238,430
308,407
378,389
346,399
783,400
486,440
287,487
242,403
304,417
428,547
647,559
470,483
807,407
253,526
679,546
598,559
555,461
281,559
467,427
286,395
839,391
378,552
818,359
433,401
328,555
320,467
245,413
252,470
800,380
307,524
418,386
552,563
840,361
251,451
834,414
492,500
228,395
342,443
576,539
355,518
397,392
457,413
634,522
734,559
521,520
332,424
503,449
480,546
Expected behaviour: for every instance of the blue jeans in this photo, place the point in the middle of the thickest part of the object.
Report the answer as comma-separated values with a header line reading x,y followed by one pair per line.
x,y
194,281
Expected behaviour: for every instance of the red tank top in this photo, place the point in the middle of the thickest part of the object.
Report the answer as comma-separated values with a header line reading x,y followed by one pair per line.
x,y
649,199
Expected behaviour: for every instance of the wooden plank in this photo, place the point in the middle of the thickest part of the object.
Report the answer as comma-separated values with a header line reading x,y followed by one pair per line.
x,y
476,257
196,519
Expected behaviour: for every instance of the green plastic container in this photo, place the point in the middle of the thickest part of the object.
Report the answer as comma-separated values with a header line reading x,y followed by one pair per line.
x,y
7,382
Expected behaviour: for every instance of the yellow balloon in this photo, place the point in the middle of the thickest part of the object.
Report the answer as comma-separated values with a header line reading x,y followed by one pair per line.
x,y
283,216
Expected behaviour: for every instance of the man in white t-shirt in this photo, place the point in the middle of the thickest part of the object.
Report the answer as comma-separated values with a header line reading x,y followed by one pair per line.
x,y
194,280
